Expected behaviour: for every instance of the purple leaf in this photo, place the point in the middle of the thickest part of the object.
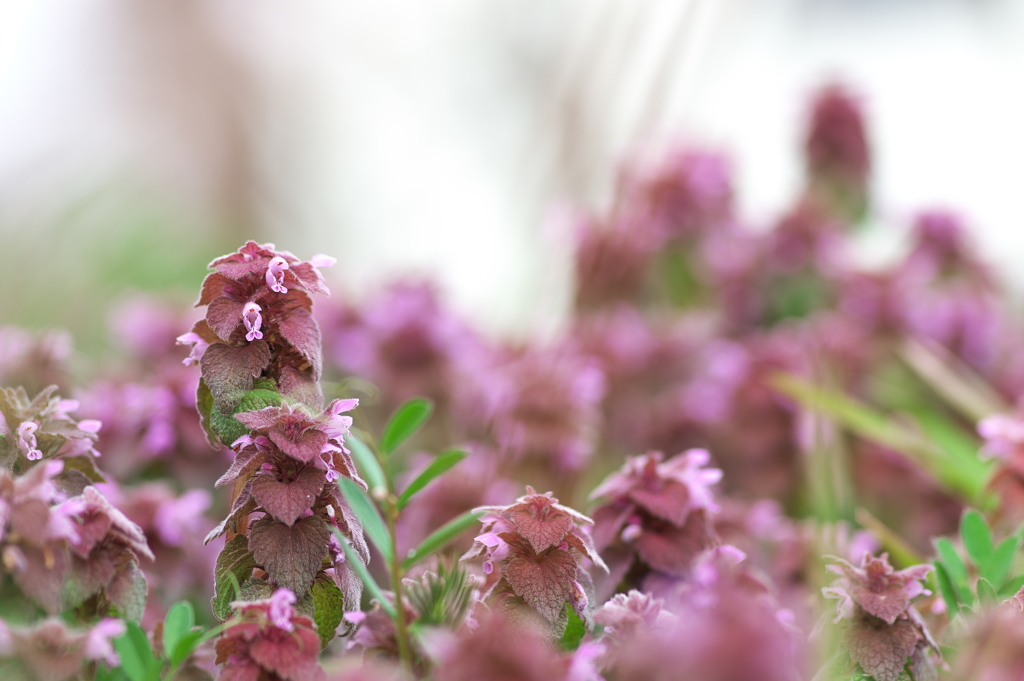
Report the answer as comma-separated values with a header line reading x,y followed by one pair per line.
x,y
287,500
544,582
300,330
543,530
231,369
670,501
291,555
882,652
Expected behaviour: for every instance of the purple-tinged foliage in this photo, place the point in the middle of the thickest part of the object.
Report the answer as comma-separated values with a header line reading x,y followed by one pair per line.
x,y
404,341
725,627
54,651
654,516
837,156
611,261
883,632
502,648
43,427
629,615
543,405
268,641
537,553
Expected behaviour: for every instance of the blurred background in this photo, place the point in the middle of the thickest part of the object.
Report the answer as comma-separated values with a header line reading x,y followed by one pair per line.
x,y
138,140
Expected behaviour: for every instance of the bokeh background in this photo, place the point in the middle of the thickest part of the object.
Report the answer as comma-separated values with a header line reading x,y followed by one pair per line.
x,y
140,139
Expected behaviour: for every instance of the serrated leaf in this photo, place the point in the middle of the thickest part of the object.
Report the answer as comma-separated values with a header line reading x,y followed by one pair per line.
x,y
976,536
406,420
444,462
367,463
439,539
1011,587
287,500
546,584
292,556
86,465
204,405
257,399
997,567
137,659
352,558
574,632
229,371
946,589
177,626
366,511
955,569
328,608
234,565
986,592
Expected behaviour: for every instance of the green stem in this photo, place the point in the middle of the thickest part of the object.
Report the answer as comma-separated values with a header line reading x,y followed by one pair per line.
x,y
404,647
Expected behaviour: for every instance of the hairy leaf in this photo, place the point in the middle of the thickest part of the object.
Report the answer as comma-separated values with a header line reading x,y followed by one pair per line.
x,y
231,370
671,502
287,500
234,565
86,465
883,652
291,555
298,327
300,386
406,420
206,409
543,530
544,582
127,591
328,608
224,315
444,462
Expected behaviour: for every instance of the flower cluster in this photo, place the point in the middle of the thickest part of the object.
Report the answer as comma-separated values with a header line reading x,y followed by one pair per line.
x,y
536,555
655,515
884,634
259,351
52,650
268,640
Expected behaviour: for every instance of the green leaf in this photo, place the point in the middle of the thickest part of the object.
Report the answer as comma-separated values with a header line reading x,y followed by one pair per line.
x,y
946,589
957,469
137,659
328,608
977,537
1010,589
234,566
177,626
955,569
368,464
367,513
997,567
986,592
204,405
575,630
444,462
368,581
436,541
406,420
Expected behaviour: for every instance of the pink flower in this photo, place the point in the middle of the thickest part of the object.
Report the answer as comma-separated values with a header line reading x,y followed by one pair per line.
x,y
281,611
275,274
198,347
253,320
27,440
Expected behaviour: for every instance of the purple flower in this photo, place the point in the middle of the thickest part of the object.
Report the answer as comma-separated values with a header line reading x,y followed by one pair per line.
x,y
253,321
27,440
198,347
275,274
281,610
